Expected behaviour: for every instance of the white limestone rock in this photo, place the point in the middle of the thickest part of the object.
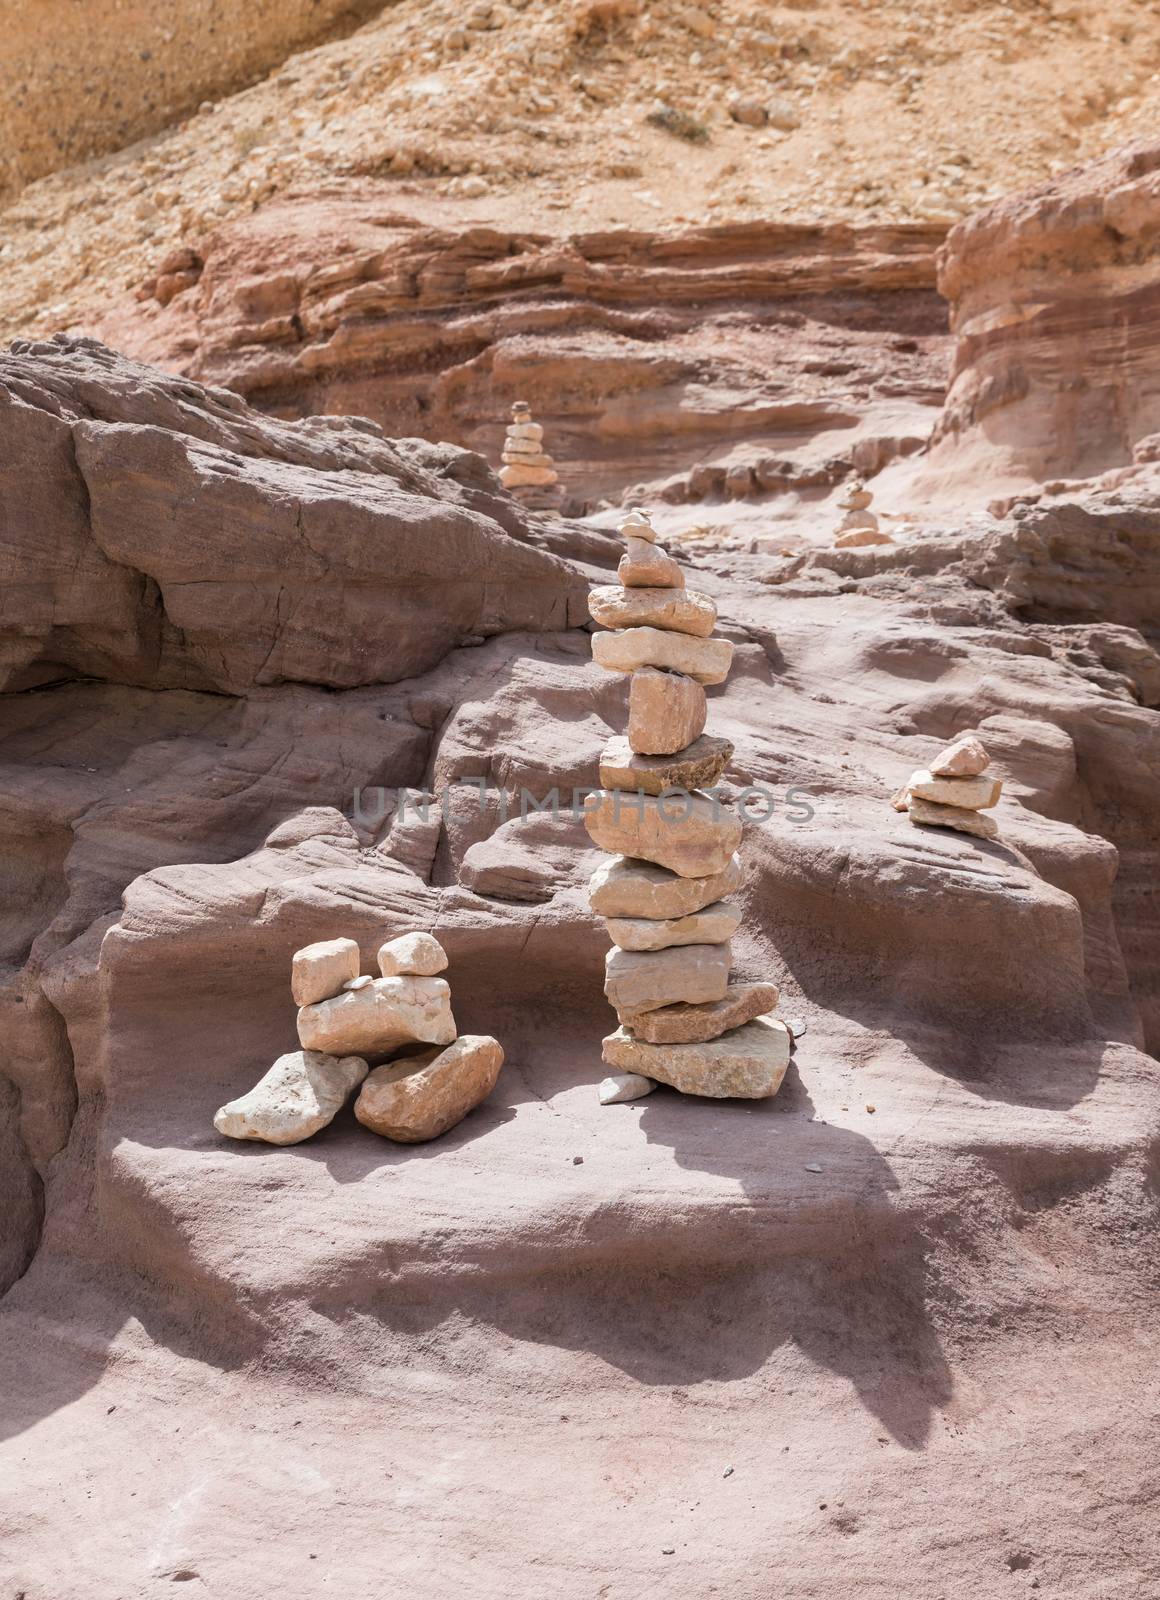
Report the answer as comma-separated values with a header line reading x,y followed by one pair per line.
x,y
412,955
301,1093
318,971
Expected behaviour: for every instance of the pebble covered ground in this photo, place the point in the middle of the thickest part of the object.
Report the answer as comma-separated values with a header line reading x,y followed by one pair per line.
x,y
606,113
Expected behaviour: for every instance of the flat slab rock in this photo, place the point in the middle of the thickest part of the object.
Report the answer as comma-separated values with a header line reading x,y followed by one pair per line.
x,y
627,887
679,610
747,1064
697,766
928,812
714,924
302,1092
419,1098
379,1017
972,794
706,660
695,1024
643,980
690,834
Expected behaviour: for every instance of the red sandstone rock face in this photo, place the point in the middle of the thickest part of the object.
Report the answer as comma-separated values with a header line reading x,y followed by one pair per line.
x,y
1054,295
738,359
485,1357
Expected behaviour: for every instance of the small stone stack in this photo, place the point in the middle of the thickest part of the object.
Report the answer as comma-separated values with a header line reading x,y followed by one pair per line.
x,y
954,791
860,525
346,1021
664,896
528,471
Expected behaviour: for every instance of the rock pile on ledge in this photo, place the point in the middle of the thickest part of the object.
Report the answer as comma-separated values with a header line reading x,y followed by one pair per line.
x,y
954,791
663,897
347,1019
528,470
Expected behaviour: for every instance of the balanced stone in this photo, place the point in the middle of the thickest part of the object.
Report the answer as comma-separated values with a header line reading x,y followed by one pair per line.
x,y
620,1087
533,432
636,524
643,980
686,1024
521,458
698,766
378,1019
319,971
424,1095
689,833
666,712
973,794
624,887
713,925
930,812
749,1063
413,955
679,610
965,758
706,660
513,477
301,1093
647,566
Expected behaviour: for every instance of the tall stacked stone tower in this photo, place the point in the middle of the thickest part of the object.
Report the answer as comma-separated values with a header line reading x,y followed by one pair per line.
x,y
665,895
528,470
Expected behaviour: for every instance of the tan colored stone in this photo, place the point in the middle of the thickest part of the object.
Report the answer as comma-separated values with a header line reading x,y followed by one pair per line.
x,y
301,1093
697,766
854,538
620,1087
686,1024
666,712
412,955
318,971
713,925
645,979
378,1019
647,566
965,757
706,660
636,524
514,458
513,477
973,794
679,610
422,1096
531,431
927,812
689,833
624,887
749,1063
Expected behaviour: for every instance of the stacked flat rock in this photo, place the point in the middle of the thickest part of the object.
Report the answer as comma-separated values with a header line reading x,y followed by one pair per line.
x,y
528,470
665,894
859,525
348,1020
954,791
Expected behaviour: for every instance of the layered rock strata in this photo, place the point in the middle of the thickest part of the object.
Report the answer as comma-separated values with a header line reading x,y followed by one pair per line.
x,y
663,898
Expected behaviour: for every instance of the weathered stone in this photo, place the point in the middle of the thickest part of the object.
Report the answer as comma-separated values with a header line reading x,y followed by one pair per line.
x,y
749,1063
621,1087
706,660
698,766
624,887
300,1094
686,1024
689,833
966,757
319,971
636,524
378,1019
666,712
413,955
679,610
929,812
424,1095
973,794
854,538
646,566
643,980
526,458
713,925
513,477
532,431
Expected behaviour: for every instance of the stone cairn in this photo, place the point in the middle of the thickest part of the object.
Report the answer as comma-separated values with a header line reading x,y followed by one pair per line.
x,y
347,1021
954,791
664,895
528,470
860,525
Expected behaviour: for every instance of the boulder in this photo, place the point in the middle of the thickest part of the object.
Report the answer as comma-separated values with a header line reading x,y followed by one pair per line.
x,y
620,1087
942,816
748,1063
624,887
679,610
666,712
973,794
645,565
319,971
706,660
412,955
693,1024
965,758
691,834
301,1093
713,925
643,980
424,1095
376,1020
697,766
